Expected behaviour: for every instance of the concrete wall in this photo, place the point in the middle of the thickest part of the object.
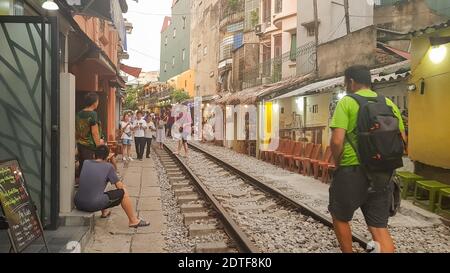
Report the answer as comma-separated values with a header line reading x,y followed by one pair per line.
x,y
335,56
101,33
330,16
175,45
429,113
332,26
205,34
396,91
407,16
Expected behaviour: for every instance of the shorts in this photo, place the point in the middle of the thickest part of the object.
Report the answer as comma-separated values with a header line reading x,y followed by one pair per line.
x,y
126,141
351,189
115,198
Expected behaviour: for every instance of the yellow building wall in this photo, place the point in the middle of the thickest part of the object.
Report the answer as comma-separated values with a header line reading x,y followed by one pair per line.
x,y
186,81
5,7
429,114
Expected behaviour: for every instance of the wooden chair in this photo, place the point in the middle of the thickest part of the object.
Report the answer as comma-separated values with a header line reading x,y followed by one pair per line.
x,y
307,154
265,154
327,169
284,150
326,158
289,152
306,162
269,154
288,160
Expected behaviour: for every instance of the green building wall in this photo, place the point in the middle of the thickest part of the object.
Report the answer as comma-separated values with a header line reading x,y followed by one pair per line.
x,y
181,21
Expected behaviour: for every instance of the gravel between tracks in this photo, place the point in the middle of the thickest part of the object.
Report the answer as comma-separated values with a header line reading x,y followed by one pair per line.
x,y
408,231
272,226
177,234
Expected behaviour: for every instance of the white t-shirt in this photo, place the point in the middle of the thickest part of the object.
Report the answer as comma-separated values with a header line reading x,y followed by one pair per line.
x,y
127,134
149,133
139,132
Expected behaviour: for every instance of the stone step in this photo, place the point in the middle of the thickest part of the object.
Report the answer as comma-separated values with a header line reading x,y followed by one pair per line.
x,y
187,198
177,179
175,173
180,185
212,247
191,208
197,230
190,218
184,191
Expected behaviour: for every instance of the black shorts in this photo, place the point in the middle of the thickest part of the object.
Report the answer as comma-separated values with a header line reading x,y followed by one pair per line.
x,y
350,190
115,198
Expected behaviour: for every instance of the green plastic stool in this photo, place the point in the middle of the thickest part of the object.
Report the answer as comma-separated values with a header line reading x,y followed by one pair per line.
x,y
432,187
408,181
441,208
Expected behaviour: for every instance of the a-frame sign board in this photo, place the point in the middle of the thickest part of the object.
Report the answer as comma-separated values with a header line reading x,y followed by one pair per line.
x,y
20,214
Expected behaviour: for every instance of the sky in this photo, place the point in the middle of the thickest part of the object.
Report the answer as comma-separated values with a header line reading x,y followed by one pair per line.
x,y
143,44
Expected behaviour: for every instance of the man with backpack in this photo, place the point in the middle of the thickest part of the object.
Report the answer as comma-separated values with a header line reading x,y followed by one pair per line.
x,y
367,146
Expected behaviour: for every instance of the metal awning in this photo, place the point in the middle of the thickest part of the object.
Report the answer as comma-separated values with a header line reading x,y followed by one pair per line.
x,y
386,73
316,87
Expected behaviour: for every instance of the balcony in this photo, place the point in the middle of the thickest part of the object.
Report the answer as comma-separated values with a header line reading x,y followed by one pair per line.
x,y
232,11
271,71
232,18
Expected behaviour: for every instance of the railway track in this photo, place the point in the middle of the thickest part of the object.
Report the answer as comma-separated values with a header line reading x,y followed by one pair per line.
x,y
257,217
203,215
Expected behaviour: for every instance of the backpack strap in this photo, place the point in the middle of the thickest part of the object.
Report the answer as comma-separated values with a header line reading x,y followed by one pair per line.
x,y
359,99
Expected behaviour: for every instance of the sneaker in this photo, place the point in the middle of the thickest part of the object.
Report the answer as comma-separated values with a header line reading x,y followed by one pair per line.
x,y
131,159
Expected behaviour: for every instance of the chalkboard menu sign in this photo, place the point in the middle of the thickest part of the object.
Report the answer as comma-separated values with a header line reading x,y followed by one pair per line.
x,y
18,208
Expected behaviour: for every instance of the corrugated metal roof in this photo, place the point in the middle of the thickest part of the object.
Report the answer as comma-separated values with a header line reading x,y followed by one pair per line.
x,y
378,75
390,77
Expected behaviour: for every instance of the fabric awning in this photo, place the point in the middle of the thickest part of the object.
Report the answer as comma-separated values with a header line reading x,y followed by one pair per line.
x,y
133,71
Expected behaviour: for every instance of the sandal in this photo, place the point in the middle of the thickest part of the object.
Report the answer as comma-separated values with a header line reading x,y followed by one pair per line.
x,y
142,223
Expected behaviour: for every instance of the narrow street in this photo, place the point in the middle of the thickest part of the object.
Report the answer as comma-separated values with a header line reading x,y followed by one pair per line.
x,y
113,235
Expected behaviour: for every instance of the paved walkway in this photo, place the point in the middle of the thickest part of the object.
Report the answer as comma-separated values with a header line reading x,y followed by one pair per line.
x,y
113,235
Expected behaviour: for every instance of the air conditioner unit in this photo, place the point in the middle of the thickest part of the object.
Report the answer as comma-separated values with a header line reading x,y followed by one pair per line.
x,y
259,29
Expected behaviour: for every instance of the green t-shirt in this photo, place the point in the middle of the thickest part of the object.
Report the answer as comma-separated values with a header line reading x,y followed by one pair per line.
x,y
84,121
346,117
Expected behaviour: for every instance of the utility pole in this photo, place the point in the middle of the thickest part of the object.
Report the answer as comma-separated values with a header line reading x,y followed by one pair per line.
x,y
316,32
347,16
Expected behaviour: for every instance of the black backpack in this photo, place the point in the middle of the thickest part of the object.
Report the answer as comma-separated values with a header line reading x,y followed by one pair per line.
x,y
380,143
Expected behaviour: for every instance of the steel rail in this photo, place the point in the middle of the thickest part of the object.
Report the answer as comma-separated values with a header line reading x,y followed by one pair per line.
x,y
244,244
303,208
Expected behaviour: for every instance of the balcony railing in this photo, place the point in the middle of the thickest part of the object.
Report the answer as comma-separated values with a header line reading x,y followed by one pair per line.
x,y
231,7
271,71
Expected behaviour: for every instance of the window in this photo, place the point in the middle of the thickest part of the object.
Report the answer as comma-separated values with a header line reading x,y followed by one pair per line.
x,y
267,12
173,61
199,53
183,55
165,67
314,109
278,46
278,6
174,33
205,51
293,55
311,31
184,22
165,41
310,28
